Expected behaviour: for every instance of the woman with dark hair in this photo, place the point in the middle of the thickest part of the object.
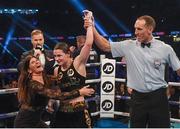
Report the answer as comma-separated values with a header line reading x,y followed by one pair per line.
x,y
34,93
72,75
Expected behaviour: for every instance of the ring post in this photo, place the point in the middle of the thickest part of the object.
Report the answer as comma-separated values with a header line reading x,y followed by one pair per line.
x,y
107,88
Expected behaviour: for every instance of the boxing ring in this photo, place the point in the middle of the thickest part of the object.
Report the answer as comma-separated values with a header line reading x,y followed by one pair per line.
x,y
105,100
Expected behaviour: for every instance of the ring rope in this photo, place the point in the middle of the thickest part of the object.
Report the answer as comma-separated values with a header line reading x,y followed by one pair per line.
x,y
10,70
8,115
93,81
128,114
120,79
121,63
174,102
169,83
174,83
95,113
8,91
93,64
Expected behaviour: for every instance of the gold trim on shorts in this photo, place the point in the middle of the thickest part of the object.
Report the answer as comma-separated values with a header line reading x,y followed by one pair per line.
x,y
87,118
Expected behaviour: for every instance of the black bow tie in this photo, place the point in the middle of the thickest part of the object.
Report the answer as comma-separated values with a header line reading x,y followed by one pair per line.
x,y
145,44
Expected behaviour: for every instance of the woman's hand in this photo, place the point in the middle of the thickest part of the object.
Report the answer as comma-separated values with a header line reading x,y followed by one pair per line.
x,y
86,91
130,90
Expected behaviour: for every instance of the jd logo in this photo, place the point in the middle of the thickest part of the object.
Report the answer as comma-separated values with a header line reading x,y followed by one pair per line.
x,y
108,68
107,86
107,105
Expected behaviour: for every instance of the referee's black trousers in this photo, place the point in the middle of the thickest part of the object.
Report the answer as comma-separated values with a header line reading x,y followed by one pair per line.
x,y
149,109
